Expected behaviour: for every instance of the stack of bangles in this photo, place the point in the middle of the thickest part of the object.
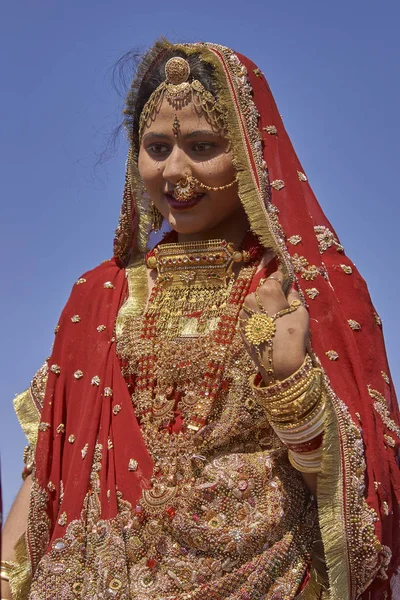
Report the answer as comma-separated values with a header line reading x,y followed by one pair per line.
x,y
295,409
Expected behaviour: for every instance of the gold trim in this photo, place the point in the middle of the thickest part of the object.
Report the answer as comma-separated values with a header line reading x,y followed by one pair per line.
x,y
21,575
138,289
28,416
331,512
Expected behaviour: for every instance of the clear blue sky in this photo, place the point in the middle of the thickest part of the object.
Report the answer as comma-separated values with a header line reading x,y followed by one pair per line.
x,y
333,68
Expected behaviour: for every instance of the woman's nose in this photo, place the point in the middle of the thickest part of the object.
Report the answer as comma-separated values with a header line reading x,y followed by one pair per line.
x,y
176,166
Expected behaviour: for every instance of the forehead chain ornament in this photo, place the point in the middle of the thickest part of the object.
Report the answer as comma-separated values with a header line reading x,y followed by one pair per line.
x,y
179,90
176,126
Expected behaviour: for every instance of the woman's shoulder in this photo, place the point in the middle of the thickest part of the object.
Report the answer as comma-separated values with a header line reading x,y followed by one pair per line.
x,y
108,275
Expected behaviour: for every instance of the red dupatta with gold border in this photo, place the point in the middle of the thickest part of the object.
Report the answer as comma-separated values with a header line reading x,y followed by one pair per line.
x,y
86,407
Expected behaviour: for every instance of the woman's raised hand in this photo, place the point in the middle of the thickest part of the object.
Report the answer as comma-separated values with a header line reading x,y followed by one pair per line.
x,y
275,329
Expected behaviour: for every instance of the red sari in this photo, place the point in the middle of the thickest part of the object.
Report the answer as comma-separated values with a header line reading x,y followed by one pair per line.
x,y
73,420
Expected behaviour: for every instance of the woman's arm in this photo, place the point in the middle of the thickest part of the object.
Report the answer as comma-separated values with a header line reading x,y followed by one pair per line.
x,y
14,527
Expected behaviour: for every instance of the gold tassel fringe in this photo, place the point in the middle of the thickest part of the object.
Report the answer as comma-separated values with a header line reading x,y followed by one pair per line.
x,y
28,416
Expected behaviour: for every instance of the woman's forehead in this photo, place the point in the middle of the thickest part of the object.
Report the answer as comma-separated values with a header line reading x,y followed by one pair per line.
x,y
190,117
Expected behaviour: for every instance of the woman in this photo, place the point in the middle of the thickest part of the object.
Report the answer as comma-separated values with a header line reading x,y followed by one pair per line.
x,y
188,437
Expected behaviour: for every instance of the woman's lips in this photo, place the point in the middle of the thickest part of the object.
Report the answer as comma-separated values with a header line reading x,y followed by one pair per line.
x,y
183,205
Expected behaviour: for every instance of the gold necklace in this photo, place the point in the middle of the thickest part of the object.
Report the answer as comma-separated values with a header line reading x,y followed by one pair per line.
x,y
193,284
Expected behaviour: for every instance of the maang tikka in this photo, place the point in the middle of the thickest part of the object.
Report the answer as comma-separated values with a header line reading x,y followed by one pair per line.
x,y
179,91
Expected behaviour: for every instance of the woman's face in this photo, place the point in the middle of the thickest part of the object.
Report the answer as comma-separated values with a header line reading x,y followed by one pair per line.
x,y
199,151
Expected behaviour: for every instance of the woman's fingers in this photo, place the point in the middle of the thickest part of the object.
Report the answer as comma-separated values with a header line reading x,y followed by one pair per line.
x,y
269,295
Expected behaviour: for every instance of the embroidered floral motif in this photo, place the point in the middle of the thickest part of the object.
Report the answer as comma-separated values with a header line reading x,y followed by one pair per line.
x,y
381,408
133,465
354,325
301,265
332,354
110,445
51,487
377,318
101,328
385,377
116,409
95,380
347,269
84,450
257,72
294,239
75,319
78,374
56,369
62,519
389,440
278,184
60,428
312,293
108,285
302,176
326,239
43,426
71,438
80,281
270,129
108,392
385,508
56,328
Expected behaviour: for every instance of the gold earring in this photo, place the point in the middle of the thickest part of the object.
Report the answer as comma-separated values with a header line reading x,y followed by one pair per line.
x,y
156,218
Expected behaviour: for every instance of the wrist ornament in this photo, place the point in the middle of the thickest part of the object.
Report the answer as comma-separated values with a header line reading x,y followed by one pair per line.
x,y
295,409
6,566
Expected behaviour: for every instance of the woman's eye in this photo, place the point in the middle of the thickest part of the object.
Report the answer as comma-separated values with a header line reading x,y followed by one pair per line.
x,y
202,146
158,149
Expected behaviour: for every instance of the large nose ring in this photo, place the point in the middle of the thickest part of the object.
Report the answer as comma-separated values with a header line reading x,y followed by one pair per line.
x,y
185,189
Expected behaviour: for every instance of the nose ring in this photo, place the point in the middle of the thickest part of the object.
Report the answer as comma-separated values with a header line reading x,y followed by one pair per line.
x,y
185,189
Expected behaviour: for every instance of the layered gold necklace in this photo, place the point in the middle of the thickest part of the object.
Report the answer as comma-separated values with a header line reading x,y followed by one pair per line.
x,y
184,336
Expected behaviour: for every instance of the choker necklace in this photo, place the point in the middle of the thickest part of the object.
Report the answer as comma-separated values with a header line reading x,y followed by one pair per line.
x,y
202,263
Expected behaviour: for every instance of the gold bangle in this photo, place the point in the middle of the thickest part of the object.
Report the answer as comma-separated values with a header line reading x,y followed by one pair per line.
x,y
4,576
298,407
288,426
281,387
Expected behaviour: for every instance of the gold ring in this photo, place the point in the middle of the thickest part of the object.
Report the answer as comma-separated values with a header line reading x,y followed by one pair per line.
x,y
248,310
276,279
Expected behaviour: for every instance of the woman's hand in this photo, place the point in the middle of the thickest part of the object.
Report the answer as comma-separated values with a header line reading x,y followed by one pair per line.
x,y
291,335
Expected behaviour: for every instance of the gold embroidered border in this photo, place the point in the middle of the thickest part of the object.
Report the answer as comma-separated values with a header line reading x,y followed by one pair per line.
x,y
346,520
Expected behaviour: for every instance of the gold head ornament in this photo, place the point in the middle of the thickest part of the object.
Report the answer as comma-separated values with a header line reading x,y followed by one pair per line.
x,y
179,92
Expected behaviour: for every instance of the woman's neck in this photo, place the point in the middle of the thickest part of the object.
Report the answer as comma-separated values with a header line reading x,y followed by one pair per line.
x,y
232,230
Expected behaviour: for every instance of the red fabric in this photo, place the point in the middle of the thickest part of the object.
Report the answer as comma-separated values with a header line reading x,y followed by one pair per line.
x,y
88,415
362,355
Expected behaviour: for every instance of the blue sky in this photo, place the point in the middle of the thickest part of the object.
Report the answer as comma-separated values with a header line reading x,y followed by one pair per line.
x,y
334,71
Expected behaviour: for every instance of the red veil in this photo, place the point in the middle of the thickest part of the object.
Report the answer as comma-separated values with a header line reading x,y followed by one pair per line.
x,y
86,411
